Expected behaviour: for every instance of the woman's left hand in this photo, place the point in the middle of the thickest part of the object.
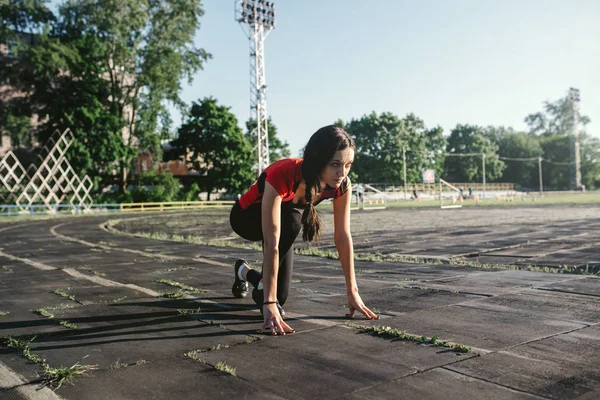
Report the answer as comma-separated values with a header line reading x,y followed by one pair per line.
x,y
356,303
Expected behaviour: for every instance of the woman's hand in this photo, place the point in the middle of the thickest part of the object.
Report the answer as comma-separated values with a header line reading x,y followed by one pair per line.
x,y
273,321
356,303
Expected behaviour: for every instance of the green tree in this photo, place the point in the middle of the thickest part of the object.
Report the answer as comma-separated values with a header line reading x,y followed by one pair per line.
x,y
216,147
21,20
554,125
107,69
471,140
380,143
277,148
590,161
556,165
514,150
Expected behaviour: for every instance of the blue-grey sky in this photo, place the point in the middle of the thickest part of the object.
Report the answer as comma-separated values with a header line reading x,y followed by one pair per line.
x,y
464,61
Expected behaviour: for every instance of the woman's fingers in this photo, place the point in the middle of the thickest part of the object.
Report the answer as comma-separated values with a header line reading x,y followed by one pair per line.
x,y
368,313
277,326
364,310
352,311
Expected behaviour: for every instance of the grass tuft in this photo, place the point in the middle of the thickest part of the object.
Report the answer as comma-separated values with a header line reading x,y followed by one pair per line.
x,y
174,295
394,334
55,377
67,324
62,293
182,286
118,364
222,366
189,311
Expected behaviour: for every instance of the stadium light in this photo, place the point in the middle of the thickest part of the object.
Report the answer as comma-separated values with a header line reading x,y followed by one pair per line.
x,y
575,145
257,18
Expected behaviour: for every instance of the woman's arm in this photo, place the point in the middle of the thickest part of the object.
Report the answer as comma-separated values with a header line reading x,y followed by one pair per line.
x,y
271,229
345,248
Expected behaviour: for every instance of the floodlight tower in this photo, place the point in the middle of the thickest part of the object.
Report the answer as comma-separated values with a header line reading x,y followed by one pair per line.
x,y
575,148
258,16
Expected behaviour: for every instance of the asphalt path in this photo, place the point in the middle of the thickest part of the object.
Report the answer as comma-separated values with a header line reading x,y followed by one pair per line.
x,y
155,319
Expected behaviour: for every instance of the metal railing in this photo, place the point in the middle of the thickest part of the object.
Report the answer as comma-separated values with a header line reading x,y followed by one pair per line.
x,y
8,210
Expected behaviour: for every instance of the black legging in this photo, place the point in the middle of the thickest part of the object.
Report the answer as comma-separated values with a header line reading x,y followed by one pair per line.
x,y
248,224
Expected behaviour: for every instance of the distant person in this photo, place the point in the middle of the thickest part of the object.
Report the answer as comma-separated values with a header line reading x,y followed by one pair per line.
x,y
415,196
470,192
359,193
282,202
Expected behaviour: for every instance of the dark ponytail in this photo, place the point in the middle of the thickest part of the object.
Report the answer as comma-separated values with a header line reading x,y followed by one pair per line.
x,y
319,150
311,222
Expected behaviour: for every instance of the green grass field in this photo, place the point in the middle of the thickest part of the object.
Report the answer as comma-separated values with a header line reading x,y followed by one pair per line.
x,y
548,199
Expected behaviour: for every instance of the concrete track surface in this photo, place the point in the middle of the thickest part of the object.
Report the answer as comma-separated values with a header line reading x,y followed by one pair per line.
x,y
83,290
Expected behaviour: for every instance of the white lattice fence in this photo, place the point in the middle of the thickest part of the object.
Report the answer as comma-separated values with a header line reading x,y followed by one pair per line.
x,y
52,182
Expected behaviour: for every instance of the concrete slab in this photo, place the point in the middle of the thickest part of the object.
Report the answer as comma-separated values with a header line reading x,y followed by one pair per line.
x,y
470,324
559,367
350,361
515,314
441,384
586,286
183,379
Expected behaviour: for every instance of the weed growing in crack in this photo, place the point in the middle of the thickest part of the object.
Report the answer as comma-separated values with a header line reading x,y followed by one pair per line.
x,y
24,345
174,295
44,313
62,293
194,355
394,334
141,362
118,364
251,339
182,286
3,313
118,299
181,268
223,367
67,324
55,377
189,311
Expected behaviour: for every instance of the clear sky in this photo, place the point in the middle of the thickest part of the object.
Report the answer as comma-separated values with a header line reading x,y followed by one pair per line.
x,y
462,61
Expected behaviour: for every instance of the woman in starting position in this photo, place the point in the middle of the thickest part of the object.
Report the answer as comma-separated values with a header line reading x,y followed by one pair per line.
x,y
282,201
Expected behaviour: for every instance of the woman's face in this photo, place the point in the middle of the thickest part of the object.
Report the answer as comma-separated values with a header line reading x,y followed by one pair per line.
x,y
338,167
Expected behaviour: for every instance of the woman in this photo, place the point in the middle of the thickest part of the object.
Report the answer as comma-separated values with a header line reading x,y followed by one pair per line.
x,y
282,201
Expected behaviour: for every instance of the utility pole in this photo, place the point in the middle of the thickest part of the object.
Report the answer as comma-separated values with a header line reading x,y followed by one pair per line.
x,y
483,165
575,151
404,163
540,172
258,16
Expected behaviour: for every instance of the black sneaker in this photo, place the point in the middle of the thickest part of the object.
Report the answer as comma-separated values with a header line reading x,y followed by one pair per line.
x,y
240,287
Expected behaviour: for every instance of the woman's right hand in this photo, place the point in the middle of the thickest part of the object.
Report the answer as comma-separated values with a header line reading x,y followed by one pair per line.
x,y
273,321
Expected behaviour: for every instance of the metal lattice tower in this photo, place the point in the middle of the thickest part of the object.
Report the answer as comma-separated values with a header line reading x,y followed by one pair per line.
x,y
575,146
257,18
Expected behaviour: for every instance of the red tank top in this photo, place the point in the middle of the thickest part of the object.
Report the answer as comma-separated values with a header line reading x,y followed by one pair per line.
x,y
285,176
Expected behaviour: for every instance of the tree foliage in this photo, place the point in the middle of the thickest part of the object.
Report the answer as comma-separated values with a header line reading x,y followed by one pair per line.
x,y
107,69
471,141
216,147
381,140
514,150
553,126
